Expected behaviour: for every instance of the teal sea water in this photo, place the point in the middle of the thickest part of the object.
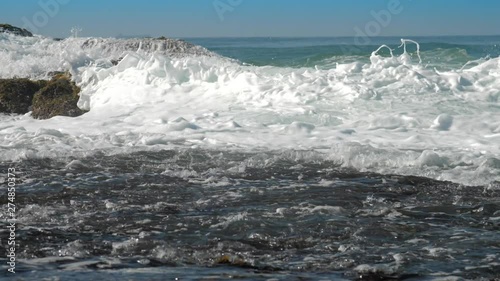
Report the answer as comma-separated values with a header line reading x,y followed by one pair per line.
x,y
324,52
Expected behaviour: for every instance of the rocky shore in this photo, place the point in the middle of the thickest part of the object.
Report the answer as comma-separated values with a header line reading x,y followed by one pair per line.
x,y
45,99
7,28
59,96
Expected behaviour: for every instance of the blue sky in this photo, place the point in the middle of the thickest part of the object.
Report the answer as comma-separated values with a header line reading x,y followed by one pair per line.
x,y
220,18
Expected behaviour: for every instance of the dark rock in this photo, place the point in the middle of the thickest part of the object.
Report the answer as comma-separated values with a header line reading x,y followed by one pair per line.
x,y
58,98
116,61
7,28
45,99
16,95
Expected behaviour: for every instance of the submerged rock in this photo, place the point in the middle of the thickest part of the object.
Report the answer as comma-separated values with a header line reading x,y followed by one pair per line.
x,y
161,45
7,28
16,95
58,98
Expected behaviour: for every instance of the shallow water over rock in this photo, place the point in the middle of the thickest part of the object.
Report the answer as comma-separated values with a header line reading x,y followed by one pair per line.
x,y
194,214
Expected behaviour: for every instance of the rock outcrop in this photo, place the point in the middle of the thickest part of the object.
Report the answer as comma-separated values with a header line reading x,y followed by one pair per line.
x,y
46,99
7,28
16,95
58,98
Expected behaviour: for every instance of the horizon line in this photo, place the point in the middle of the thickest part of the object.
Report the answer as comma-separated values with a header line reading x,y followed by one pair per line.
x,y
341,36
122,36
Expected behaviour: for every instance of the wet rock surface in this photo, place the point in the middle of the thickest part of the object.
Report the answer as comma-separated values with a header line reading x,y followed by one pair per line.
x,y
195,213
58,98
46,99
162,45
16,95
7,28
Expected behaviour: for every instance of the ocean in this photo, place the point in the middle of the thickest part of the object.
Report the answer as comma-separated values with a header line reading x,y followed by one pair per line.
x,y
257,159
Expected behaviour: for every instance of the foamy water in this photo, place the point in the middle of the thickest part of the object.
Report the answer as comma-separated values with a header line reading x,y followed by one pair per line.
x,y
390,115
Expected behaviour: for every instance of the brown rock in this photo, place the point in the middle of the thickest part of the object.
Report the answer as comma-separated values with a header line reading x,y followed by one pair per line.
x,y
58,98
16,95
15,30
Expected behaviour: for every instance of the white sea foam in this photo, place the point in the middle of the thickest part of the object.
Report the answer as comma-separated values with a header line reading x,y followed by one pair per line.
x,y
392,115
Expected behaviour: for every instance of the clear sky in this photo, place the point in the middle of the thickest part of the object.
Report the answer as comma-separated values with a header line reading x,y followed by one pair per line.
x,y
247,18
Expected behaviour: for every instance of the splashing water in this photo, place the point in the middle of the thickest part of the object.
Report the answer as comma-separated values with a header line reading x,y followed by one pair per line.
x,y
376,116
190,164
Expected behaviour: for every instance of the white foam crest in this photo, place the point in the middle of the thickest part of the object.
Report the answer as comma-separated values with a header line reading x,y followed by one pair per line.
x,y
405,53
391,115
34,57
